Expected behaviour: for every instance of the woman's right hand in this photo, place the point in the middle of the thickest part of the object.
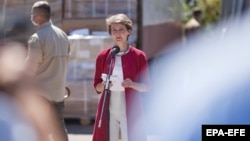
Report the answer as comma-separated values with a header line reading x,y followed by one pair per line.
x,y
101,86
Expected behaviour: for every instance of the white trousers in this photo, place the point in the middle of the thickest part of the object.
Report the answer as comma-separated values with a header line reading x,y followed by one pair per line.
x,y
118,122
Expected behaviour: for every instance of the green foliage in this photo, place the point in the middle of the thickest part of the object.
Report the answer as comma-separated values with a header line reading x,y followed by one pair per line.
x,y
210,8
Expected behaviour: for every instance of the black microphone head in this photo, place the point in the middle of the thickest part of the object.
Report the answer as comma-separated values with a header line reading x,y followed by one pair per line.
x,y
115,49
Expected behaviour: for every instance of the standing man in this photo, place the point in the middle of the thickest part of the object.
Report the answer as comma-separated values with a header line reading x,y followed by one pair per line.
x,y
47,60
193,24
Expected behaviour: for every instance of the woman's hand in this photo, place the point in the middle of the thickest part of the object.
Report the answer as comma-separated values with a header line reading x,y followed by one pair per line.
x,y
128,83
101,86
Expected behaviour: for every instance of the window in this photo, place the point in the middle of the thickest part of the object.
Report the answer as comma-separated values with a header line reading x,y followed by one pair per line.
x,y
74,9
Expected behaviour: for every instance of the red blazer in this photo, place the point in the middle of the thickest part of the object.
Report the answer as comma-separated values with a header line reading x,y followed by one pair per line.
x,y
135,67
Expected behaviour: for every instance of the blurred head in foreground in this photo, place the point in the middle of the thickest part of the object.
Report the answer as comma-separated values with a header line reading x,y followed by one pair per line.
x,y
20,100
15,26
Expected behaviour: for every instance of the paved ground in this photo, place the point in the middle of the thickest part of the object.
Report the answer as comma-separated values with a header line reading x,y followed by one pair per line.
x,y
78,132
87,137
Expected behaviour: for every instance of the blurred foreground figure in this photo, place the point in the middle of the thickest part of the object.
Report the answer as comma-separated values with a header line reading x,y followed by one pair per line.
x,y
206,83
25,115
14,123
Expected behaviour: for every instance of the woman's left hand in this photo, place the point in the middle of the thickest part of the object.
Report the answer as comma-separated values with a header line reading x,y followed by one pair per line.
x,y
127,83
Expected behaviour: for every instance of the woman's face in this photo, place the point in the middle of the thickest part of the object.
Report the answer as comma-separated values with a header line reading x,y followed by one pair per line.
x,y
119,33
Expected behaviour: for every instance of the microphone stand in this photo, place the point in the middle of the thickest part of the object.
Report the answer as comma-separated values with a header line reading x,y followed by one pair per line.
x,y
105,103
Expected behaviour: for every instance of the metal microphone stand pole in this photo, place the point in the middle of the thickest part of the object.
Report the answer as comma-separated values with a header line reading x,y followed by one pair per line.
x,y
105,103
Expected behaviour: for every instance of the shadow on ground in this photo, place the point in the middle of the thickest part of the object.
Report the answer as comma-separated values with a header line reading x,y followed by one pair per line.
x,y
75,126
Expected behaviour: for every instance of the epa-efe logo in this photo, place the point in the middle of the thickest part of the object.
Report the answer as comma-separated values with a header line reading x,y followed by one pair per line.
x,y
236,132
227,132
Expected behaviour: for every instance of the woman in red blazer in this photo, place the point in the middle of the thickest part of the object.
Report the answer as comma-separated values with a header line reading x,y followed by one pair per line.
x,y
129,79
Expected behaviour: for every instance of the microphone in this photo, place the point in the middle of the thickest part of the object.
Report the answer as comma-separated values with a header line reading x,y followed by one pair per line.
x,y
115,50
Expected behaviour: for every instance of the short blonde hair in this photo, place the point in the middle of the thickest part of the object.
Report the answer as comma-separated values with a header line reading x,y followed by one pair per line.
x,y
119,18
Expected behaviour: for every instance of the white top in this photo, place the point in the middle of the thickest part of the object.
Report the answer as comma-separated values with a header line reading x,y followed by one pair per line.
x,y
117,98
